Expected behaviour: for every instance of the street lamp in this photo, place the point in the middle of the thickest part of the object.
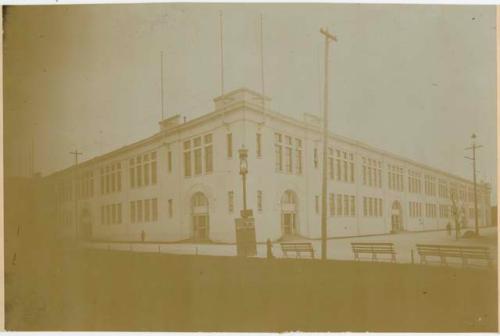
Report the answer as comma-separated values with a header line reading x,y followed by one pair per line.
x,y
245,225
243,152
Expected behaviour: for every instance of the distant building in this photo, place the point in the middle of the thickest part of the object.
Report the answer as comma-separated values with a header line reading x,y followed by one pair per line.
x,y
183,182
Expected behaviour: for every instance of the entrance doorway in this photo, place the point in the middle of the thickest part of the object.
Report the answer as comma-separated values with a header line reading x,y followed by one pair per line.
x,y
396,217
199,207
289,213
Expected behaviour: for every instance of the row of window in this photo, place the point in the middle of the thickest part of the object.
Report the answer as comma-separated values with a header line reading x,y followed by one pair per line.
x,y
415,209
340,167
86,185
143,170
342,205
372,172
198,156
144,211
111,178
372,207
288,154
111,214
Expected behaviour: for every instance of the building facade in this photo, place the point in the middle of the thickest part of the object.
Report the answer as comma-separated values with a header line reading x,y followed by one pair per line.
x,y
183,183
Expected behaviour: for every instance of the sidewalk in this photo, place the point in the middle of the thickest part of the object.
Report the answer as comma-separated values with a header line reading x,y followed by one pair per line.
x,y
337,248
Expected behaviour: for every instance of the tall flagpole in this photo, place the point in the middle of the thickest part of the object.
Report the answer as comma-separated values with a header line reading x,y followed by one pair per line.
x,y
328,38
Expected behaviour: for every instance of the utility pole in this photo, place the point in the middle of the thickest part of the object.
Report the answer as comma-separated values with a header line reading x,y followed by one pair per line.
x,y
162,90
473,158
75,181
328,38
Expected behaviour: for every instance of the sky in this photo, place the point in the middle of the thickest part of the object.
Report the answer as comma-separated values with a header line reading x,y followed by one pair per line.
x,y
415,80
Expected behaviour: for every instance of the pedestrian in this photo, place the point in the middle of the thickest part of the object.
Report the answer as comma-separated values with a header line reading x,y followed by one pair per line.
x,y
448,228
269,245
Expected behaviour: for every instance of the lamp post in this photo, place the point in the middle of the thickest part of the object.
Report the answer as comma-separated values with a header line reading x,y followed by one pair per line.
x,y
243,152
245,225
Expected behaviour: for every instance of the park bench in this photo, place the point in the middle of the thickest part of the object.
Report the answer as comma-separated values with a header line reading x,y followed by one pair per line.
x,y
374,249
444,252
298,248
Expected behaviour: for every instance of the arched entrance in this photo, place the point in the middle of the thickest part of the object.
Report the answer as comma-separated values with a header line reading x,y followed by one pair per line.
x,y
199,211
289,213
396,217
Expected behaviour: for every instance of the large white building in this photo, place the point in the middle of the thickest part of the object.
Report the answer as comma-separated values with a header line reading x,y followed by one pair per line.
x,y
183,182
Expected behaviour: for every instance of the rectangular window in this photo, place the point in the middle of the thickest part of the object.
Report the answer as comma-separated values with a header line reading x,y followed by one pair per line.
x,y
332,204
139,175
146,174
339,205
229,139
154,209
169,161
259,200
353,206
351,169
139,211
315,158
197,161
153,172
288,159
131,173
170,208
119,213
316,203
103,220
132,212
209,167
380,207
147,210
259,145
187,164
279,157
230,201
346,205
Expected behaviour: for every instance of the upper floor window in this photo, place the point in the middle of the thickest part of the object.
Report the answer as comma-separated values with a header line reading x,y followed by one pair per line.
x,y
201,153
258,145
414,181
344,168
287,151
111,178
229,140
372,172
143,170
395,177
430,185
443,188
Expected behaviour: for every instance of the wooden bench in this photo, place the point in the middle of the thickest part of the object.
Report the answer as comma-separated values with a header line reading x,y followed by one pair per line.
x,y
443,252
298,248
374,249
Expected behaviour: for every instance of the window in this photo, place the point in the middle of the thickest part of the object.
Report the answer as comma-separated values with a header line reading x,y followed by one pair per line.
x,y
339,205
430,185
414,181
353,206
132,212
197,161
298,156
187,158
230,201
278,149
209,165
316,203
169,161
332,204
330,163
154,210
288,154
147,208
170,208
315,158
395,177
131,173
229,139
259,200
259,145
139,211
372,207
372,172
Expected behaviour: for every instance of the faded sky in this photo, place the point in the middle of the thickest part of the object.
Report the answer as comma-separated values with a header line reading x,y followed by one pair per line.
x,y
413,80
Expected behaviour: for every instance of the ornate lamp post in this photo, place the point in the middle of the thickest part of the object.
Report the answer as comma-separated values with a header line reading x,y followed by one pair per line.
x,y
243,152
245,225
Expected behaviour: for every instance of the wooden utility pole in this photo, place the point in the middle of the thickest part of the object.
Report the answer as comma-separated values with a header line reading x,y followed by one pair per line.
x,y
473,158
75,192
328,38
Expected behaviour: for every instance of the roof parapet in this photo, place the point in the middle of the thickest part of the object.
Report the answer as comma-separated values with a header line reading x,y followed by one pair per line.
x,y
240,95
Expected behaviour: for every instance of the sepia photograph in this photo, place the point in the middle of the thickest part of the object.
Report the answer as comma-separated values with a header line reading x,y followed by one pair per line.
x,y
250,167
